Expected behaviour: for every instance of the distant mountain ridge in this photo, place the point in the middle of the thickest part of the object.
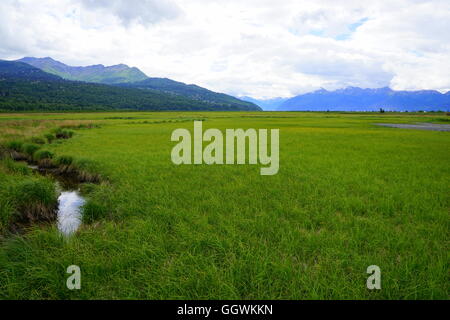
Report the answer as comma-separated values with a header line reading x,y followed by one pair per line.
x,y
96,73
17,70
358,99
266,104
191,91
26,88
124,76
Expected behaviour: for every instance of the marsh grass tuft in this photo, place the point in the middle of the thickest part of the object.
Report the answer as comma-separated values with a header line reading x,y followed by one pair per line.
x,y
29,149
34,200
86,169
61,133
15,167
42,154
93,211
64,160
44,159
15,145
50,137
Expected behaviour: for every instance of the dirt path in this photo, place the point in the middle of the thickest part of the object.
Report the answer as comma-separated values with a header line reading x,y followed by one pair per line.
x,y
421,126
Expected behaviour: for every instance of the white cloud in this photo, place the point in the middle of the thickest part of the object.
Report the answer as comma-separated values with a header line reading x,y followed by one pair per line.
x,y
259,48
144,12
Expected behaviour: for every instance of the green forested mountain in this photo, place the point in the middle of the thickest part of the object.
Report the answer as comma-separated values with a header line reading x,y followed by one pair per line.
x,y
17,70
97,73
25,88
125,76
188,90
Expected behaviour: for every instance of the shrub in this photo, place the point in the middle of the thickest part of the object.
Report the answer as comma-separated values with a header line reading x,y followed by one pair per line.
x,y
30,148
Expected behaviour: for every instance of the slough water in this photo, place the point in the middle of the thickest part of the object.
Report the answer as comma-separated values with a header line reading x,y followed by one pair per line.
x,y
70,202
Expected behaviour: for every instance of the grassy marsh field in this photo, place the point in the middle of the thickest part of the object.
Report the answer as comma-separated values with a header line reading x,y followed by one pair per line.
x,y
348,195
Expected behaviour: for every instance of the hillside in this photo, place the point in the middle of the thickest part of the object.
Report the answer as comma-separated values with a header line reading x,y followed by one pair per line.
x,y
191,91
26,88
17,70
357,99
134,78
97,73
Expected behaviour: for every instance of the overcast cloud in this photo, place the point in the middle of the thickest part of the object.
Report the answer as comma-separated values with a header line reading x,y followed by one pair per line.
x,y
258,48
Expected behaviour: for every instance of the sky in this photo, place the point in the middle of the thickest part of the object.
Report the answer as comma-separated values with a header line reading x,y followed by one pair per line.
x,y
258,48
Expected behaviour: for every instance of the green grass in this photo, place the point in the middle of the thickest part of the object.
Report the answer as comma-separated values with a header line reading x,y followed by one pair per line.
x,y
42,154
25,199
348,195
30,148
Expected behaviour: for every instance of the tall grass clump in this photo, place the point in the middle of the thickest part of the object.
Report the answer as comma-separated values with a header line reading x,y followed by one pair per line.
x,y
35,200
86,171
24,198
15,145
50,137
15,167
30,148
14,149
44,158
93,211
61,133
64,160
64,164
42,154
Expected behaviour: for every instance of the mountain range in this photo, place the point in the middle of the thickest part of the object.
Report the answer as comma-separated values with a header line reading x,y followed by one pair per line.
x,y
358,99
25,87
47,84
266,104
120,73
